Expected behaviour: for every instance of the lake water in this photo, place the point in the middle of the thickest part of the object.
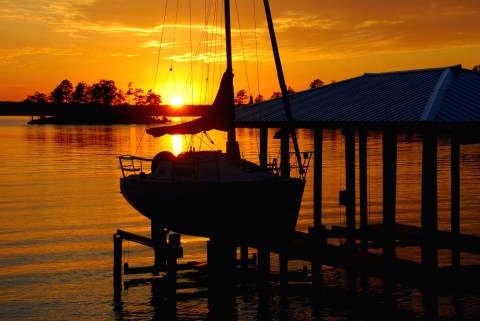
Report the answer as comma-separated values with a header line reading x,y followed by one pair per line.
x,y
60,206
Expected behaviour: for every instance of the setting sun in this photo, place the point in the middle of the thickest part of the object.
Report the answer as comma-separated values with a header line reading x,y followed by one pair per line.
x,y
177,101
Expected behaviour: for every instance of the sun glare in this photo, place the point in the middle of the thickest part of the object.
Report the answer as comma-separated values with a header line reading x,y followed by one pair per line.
x,y
177,101
177,144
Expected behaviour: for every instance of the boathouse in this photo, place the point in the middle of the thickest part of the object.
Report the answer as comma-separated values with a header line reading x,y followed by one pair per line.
x,y
435,103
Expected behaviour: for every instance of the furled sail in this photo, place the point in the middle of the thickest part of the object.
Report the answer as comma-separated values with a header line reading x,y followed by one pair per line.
x,y
220,116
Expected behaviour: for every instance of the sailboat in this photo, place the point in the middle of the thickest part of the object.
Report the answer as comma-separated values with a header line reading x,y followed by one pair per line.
x,y
214,194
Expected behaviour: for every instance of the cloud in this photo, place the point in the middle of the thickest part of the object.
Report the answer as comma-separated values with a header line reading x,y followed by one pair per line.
x,y
315,30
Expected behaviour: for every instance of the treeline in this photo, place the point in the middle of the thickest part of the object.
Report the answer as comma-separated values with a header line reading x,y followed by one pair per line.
x,y
105,92
242,97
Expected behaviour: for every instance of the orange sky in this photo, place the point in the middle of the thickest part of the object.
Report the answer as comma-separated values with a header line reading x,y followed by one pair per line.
x,y
44,42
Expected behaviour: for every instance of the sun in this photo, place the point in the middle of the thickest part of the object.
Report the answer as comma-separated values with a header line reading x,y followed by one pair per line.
x,y
177,101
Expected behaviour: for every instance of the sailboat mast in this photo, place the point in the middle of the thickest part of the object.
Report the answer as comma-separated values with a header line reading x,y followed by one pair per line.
x,y
283,86
233,150
228,36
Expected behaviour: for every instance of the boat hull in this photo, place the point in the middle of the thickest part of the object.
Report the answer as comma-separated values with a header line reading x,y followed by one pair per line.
x,y
260,211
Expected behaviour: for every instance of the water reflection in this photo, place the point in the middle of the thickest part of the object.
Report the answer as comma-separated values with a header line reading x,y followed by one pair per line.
x,y
297,301
61,204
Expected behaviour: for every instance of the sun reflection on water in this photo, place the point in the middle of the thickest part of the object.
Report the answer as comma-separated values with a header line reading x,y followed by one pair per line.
x,y
177,144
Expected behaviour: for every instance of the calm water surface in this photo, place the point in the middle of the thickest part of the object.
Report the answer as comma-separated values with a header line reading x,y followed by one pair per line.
x,y
60,205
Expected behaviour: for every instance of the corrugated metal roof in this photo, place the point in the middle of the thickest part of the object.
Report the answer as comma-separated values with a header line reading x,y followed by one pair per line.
x,y
446,94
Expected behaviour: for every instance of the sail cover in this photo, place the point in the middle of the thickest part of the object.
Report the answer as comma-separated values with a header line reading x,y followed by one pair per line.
x,y
220,116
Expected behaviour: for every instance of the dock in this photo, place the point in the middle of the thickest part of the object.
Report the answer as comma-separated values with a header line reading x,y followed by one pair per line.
x,y
360,249
314,247
362,253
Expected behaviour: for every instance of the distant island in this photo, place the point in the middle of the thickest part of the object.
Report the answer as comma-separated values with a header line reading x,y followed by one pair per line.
x,y
71,113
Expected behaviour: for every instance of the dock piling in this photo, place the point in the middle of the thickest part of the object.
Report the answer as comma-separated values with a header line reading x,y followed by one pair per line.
x,y
165,257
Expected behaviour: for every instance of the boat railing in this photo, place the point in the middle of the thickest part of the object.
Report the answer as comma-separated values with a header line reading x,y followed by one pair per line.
x,y
130,164
275,165
306,158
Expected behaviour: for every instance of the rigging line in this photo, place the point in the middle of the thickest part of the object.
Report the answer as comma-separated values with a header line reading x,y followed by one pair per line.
x,y
215,46
197,55
174,34
187,140
139,142
256,45
205,46
165,81
191,47
209,138
213,53
210,52
173,47
205,64
208,57
203,139
160,46
243,48
188,84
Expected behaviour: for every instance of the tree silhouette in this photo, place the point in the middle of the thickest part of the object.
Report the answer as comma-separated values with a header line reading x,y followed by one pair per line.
x,y
37,97
152,99
241,97
316,83
103,92
120,98
129,92
139,96
63,93
276,94
81,93
259,99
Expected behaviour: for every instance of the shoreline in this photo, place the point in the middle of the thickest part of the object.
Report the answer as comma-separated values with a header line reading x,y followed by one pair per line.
x,y
90,114
56,120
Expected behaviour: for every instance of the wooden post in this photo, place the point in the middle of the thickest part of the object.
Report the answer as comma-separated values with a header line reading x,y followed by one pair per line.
x,y
350,205
285,172
221,257
389,151
244,258
362,137
283,270
173,252
455,199
117,262
429,203
317,243
350,186
159,241
263,157
264,265
284,153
